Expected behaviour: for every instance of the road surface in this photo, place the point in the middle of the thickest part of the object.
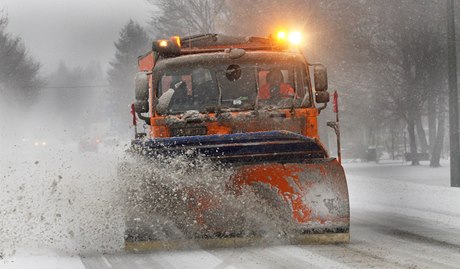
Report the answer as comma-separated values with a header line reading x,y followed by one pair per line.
x,y
401,217
380,238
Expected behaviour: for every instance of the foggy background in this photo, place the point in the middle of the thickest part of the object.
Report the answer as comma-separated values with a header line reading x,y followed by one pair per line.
x,y
76,32
67,67
66,79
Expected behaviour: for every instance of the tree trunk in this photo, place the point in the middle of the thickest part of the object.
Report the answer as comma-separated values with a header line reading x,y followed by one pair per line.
x,y
431,120
393,143
412,142
421,134
439,142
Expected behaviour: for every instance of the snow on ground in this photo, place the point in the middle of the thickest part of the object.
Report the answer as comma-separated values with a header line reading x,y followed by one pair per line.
x,y
59,199
402,217
418,191
43,260
402,171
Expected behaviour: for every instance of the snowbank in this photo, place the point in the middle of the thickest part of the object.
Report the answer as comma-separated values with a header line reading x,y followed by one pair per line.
x,y
399,194
42,261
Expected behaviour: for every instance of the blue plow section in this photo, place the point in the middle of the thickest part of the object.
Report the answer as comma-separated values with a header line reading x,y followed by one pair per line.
x,y
274,146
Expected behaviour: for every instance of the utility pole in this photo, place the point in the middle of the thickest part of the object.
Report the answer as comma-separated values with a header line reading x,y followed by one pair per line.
x,y
453,97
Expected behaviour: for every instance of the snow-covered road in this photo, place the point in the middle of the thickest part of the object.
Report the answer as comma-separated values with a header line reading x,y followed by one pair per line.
x,y
379,240
389,229
402,217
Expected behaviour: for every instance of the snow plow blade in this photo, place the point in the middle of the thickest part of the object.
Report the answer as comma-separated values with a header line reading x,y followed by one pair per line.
x,y
275,146
234,242
289,191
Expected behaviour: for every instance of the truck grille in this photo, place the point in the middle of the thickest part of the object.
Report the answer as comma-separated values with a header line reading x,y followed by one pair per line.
x,y
188,131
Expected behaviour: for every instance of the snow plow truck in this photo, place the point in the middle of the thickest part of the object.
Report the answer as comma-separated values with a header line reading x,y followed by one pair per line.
x,y
246,105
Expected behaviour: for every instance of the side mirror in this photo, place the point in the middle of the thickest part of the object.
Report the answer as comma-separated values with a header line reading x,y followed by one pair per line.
x,y
141,106
322,97
320,76
142,86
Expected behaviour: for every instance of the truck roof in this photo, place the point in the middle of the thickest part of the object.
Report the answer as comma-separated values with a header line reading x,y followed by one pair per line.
x,y
213,40
224,58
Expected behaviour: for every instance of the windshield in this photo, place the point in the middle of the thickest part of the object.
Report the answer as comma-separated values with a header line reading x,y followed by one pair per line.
x,y
236,87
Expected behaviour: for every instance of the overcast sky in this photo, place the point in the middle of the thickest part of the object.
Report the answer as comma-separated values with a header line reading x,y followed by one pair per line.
x,y
75,31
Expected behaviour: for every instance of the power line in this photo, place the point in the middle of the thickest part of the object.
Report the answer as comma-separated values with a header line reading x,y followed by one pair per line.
x,y
76,87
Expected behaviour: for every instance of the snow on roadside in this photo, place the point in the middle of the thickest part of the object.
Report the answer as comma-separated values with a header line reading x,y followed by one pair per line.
x,y
398,170
59,199
42,261
396,195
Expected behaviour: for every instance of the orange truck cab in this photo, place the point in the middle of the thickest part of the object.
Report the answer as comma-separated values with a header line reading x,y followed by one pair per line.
x,y
223,81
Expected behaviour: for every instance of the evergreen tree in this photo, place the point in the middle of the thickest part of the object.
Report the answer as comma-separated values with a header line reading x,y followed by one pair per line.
x,y
132,43
19,73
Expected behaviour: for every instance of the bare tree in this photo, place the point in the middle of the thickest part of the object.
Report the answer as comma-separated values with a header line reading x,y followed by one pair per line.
x,y
440,131
186,17
406,53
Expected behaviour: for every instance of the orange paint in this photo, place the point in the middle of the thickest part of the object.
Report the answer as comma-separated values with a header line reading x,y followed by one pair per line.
x,y
146,62
296,183
307,126
284,179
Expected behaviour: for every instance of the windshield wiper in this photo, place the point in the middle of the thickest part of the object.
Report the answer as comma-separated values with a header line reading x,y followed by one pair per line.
x,y
256,104
296,85
219,88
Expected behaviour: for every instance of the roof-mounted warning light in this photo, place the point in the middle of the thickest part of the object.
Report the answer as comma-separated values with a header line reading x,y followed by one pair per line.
x,y
295,38
292,38
176,40
281,36
167,48
163,43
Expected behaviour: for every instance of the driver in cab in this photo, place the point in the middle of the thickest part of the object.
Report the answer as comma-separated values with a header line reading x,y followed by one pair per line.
x,y
275,88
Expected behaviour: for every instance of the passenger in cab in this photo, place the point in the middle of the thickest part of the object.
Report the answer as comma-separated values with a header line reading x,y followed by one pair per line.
x,y
275,88
175,98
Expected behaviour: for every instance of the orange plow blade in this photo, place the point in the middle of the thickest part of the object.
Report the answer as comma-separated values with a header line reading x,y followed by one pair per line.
x,y
267,188
314,194
261,204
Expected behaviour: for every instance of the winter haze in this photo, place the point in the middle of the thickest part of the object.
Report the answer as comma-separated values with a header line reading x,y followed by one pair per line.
x,y
76,32
74,192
